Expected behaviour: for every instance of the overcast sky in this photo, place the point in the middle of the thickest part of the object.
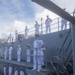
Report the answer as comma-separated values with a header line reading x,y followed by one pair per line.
x,y
16,14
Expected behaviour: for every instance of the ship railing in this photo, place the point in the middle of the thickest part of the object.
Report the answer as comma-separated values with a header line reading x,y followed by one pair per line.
x,y
55,27
61,65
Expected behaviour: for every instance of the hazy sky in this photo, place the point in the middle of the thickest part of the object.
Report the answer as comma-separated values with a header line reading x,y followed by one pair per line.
x,y
16,14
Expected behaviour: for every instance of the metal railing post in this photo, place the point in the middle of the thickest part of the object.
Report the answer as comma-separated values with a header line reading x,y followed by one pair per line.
x,y
58,23
36,56
41,27
46,61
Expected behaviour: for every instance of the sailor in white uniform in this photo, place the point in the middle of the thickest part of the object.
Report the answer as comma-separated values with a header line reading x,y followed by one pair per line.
x,y
16,71
21,72
5,53
26,32
28,53
16,35
4,70
37,26
19,53
37,61
42,54
10,70
10,38
10,53
63,23
48,24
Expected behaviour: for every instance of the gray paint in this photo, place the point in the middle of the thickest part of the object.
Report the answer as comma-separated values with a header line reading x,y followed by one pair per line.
x,y
73,45
53,43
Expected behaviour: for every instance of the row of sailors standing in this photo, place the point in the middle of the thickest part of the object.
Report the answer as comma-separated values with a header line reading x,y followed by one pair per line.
x,y
47,23
38,53
10,71
37,28
8,53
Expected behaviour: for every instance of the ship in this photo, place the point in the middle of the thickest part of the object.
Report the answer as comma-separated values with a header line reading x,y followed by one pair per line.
x,y
59,56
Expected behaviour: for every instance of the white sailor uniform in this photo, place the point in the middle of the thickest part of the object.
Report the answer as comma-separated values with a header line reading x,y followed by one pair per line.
x,y
37,61
4,70
21,72
26,32
10,70
42,55
19,54
28,55
16,72
37,28
63,24
10,53
5,53
48,23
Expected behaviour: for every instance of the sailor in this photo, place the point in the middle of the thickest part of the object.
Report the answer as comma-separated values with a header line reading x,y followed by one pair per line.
x,y
42,54
37,26
63,23
10,38
10,53
21,72
26,32
48,24
19,53
5,53
16,35
10,70
16,71
4,70
37,61
28,53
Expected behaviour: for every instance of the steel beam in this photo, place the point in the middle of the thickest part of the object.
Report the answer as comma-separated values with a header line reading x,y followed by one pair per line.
x,y
73,46
54,8
28,65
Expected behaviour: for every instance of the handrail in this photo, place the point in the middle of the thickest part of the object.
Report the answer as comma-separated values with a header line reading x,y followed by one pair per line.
x,y
55,21
31,29
64,68
68,45
54,68
68,58
64,41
